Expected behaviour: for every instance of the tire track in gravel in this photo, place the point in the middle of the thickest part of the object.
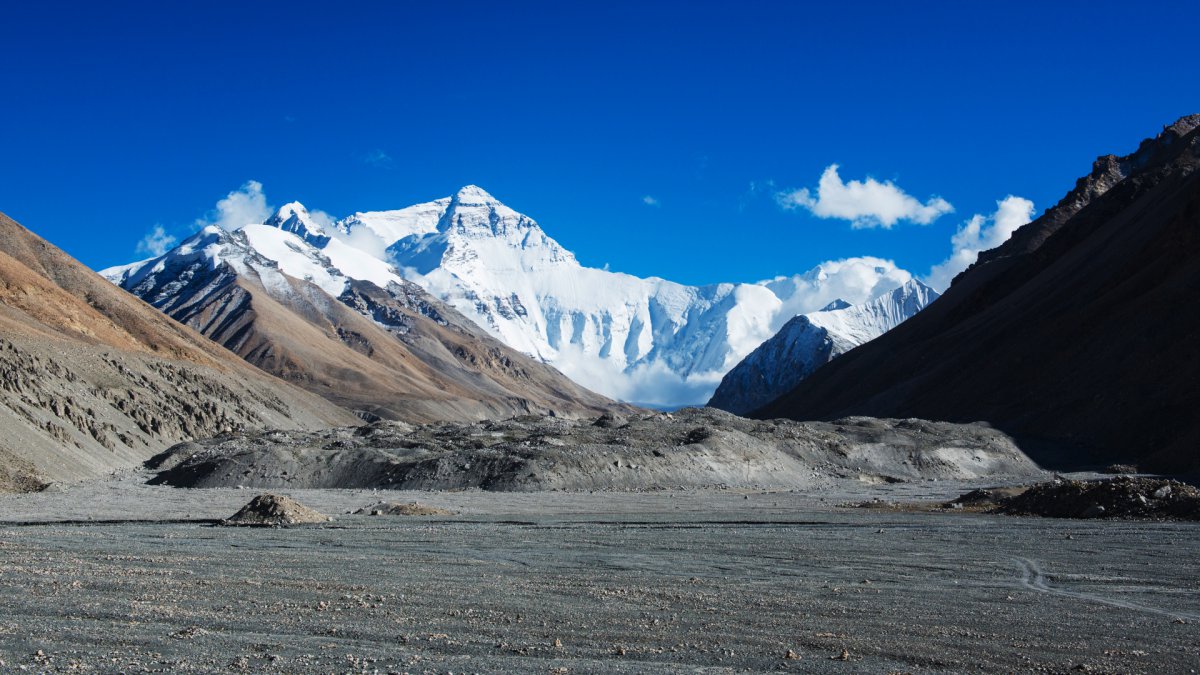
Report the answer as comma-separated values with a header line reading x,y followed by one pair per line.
x,y
1034,579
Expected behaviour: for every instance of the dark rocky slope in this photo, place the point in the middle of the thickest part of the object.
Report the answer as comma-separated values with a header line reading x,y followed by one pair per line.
x,y
1079,335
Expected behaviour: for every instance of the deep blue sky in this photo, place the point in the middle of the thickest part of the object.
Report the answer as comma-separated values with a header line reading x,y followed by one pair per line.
x,y
120,116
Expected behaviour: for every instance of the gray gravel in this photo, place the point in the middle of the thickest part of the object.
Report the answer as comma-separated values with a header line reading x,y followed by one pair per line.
x,y
696,581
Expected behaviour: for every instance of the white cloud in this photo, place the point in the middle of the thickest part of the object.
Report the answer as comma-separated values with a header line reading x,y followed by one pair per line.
x,y
650,201
646,383
244,206
156,242
980,233
378,158
361,238
321,218
868,203
855,280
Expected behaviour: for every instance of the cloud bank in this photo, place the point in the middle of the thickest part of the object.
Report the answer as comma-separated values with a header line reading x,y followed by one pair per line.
x,y
868,203
980,233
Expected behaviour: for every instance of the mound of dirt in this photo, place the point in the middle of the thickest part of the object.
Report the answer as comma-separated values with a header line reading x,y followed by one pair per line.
x,y
1123,497
275,511
401,509
695,447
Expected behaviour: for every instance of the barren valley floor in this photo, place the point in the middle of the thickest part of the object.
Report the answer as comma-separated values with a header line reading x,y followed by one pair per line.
x,y
118,576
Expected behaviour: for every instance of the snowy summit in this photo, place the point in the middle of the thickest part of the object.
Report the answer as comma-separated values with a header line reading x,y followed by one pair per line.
x,y
643,340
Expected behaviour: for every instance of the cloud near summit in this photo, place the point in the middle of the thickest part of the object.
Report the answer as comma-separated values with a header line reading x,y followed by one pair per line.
x,y
866,203
243,206
980,233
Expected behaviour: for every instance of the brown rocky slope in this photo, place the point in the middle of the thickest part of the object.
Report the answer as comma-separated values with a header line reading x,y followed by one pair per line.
x,y
92,379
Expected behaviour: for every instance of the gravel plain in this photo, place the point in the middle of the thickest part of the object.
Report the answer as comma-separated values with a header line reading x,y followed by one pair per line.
x,y
116,575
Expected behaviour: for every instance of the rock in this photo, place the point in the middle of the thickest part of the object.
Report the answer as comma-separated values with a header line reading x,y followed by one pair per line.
x,y
1121,468
1122,497
273,511
609,421
399,509
698,435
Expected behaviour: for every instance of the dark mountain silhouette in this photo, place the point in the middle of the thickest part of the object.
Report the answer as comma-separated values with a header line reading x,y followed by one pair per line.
x,y
1080,335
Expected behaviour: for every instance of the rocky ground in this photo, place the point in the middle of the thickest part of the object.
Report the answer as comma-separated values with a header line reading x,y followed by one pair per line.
x,y
1124,497
695,447
122,576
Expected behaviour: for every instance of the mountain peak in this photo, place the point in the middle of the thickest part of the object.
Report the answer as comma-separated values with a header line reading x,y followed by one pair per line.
x,y
289,210
293,217
1184,125
915,284
834,306
473,194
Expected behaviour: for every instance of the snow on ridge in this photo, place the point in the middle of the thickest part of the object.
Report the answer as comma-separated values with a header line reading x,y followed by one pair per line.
x,y
808,341
648,340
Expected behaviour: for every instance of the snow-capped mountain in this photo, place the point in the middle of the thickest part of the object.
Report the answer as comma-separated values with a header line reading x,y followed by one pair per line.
x,y
277,295
646,340
811,340
643,340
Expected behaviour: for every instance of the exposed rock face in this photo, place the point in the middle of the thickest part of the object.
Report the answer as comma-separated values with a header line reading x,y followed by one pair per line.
x,y
390,351
92,379
693,447
1077,335
275,511
809,341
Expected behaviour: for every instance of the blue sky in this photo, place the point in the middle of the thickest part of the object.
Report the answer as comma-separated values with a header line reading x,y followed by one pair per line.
x,y
122,116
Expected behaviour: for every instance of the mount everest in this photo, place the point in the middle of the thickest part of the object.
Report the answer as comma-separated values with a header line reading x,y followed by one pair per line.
x,y
644,340
373,343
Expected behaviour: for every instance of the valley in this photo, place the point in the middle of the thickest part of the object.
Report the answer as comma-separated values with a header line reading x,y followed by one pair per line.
x,y
674,581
